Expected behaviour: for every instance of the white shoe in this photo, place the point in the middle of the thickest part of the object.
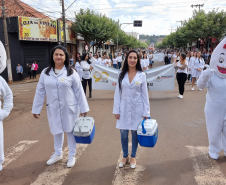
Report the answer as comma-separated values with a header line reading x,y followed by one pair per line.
x,y
192,88
213,155
200,89
181,96
71,162
54,158
0,167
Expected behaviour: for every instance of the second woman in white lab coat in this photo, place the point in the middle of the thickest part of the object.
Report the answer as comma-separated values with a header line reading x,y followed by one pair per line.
x,y
144,62
78,68
131,104
65,99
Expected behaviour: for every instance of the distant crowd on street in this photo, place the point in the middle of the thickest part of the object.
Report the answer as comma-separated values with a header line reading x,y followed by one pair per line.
x,y
31,70
189,66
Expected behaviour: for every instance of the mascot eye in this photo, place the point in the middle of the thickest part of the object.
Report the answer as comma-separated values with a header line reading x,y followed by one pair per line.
x,y
221,60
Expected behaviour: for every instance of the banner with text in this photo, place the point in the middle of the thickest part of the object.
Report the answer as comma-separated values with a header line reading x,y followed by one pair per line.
x,y
37,29
160,78
158,57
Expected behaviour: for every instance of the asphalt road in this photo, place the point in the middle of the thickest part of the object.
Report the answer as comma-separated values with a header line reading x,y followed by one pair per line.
x,y
179,157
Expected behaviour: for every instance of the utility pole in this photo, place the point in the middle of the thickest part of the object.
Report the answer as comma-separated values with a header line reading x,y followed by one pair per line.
x,y
197,5
171,29
64,24
8,62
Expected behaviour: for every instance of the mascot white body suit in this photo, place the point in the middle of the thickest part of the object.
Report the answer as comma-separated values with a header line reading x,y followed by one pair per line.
x,y
215,109
7,95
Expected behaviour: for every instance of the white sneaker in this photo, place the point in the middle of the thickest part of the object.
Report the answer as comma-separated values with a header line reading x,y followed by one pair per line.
x,y
192,88
0,167
54,158
71,162
181,96
200,89
213,155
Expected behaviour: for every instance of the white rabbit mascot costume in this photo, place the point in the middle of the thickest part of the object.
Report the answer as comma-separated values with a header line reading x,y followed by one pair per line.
x,y
7,95
215,109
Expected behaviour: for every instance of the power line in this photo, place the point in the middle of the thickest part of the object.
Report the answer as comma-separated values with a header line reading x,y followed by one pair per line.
x,y
198,5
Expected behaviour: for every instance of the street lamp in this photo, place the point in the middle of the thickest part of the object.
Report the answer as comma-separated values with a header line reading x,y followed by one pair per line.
x,y
136,23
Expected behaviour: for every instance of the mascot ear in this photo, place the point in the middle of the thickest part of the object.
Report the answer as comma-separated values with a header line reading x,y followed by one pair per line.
x,y
224,46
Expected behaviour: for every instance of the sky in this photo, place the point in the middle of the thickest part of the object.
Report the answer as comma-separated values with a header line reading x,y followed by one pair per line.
x,y
159,16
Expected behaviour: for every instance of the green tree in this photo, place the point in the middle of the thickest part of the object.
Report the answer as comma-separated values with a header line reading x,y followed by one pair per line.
x,y
95,28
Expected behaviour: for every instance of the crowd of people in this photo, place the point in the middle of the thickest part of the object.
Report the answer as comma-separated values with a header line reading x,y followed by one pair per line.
x,y
189,66
31,70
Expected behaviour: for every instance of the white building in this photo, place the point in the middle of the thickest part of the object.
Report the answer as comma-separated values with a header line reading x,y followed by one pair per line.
x,y
133,34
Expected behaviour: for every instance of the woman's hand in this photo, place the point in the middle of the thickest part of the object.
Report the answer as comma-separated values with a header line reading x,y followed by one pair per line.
x,y
84,114
91,67
36,116
145,118
117,116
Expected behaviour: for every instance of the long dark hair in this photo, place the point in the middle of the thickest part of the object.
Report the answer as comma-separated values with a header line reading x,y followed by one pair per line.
x,y
84,58
66,62
125,68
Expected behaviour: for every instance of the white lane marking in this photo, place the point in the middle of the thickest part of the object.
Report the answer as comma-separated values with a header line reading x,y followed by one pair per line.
x,y
56,173
126,175
13,153
207,171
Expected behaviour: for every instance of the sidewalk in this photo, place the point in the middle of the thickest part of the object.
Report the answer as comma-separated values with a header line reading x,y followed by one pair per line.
x,y
27,80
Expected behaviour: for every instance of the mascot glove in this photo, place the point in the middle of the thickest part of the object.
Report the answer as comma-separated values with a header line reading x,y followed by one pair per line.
x,y
207,74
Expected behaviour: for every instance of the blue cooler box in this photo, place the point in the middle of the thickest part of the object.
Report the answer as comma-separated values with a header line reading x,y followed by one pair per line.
x,y
84,130
147,133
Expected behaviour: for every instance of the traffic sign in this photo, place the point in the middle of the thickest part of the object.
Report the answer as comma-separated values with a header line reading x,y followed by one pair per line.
x,y
137,23
86,47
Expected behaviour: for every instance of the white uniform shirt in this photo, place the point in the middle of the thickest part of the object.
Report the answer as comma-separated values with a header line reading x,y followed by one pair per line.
x,y
7,95
79,70
131,102
119,58
65,99
182,70
114,61
99,61
109,61
86,70
144,63
103,62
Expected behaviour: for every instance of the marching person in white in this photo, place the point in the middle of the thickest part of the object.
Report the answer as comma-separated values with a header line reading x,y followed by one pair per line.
x,y
197,67
214,79
131,104
78,68
188,58
119,58
144,62
103,62
87,67
99,60
65,99
7,95
108,61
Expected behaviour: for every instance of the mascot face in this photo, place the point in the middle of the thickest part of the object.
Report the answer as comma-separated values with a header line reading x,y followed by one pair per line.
x,y
2,58
218,59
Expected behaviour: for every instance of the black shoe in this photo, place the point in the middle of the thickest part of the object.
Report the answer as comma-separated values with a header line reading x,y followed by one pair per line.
x,y
90,95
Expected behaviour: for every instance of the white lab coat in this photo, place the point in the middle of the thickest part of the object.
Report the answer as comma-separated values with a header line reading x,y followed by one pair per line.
x,y
86,70
79,70
64,97
144,63
196,64
189,64
132,103
7,94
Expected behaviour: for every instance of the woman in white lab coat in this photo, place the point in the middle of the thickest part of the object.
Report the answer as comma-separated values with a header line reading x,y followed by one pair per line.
x,y
7,95
87,67
65,99
197,68
131,104
144,62
78,68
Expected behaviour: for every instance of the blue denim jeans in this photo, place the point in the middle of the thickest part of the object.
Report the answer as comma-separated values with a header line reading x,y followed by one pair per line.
x,y
125,141
115,66
169,60
119,65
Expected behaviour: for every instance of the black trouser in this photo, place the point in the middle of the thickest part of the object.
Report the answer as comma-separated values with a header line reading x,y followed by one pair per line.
x,y
29,73
34,73
181,79
20,76
189,76
84,84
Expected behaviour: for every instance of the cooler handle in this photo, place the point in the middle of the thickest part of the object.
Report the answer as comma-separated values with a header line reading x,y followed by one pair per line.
x,y
142,124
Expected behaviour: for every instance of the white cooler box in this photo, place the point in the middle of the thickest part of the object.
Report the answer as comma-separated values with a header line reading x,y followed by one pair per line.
x,y
147,133
84,130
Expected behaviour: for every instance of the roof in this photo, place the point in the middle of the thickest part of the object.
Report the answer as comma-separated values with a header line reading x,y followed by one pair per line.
x,y
16,8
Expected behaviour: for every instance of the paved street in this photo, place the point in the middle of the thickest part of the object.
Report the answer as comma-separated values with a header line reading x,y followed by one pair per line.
x,y
179,157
